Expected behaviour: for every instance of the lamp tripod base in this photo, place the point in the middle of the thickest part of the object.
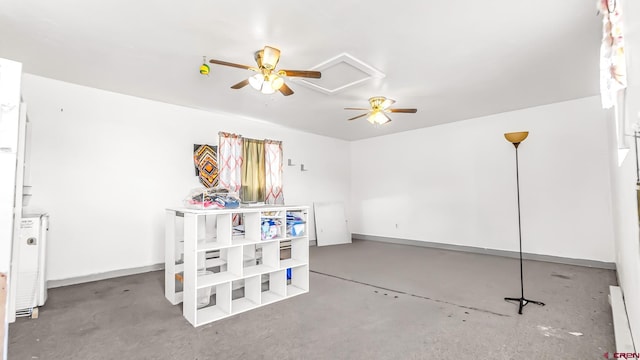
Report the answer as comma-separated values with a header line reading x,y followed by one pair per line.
x,y
523,302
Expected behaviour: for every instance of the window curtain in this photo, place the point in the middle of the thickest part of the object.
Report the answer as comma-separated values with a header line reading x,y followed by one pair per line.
x,y
613,68
253,171
273,172
229,161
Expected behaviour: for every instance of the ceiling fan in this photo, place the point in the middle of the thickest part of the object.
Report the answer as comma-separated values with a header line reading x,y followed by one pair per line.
x,y
379,107
268,80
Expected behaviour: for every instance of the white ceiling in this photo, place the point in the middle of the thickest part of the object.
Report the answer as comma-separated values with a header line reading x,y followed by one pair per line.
x,y
452,59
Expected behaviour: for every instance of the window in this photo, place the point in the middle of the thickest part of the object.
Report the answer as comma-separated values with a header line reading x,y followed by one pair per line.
x,y
251,167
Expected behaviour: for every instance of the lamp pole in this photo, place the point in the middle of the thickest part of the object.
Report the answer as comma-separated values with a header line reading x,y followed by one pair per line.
x,y
516,138
519,226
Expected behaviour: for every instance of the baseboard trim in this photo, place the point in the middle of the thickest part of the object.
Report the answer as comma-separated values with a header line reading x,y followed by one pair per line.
x,y
103,276
477,250
621,329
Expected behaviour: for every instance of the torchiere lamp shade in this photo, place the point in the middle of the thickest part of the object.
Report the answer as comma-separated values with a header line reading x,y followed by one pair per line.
x,y
516,137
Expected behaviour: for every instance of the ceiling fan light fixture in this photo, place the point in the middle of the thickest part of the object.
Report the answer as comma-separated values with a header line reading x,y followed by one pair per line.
x,y
276,82
379,107
256,81
267,88
377,117
270,57
387,103
380,102
268,79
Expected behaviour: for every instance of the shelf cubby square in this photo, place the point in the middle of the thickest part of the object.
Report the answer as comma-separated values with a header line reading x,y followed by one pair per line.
x,y
227,267
273,287
214,261
272,224
251,226
266,259
245,294
213,302
296,223
300,249
251,255
246,230
214,232
299,282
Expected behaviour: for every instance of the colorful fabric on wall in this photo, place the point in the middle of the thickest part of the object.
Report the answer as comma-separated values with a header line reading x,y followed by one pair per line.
x,y
273,172
205,161
613,68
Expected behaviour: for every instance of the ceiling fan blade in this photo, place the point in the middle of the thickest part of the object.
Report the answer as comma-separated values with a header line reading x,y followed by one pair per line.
x,y
301,73
220,62
285,90
411,111
356,109
358,117
241,84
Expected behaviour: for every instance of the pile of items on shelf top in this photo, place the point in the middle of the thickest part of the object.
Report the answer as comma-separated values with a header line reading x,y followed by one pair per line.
x,y
212,198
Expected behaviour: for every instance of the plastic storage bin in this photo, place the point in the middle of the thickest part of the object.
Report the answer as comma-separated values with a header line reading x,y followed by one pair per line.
x,y
204,295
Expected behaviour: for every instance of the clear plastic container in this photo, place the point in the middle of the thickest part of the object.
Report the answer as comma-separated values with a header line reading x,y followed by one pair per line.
x,y
211,198
204,295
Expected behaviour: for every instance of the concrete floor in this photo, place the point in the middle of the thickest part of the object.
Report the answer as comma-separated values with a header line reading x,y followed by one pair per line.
x,y
368,300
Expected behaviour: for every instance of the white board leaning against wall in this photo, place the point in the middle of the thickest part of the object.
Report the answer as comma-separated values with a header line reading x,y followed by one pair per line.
x,y
331,224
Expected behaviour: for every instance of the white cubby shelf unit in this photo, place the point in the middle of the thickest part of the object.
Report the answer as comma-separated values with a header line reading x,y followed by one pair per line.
x,y
217,269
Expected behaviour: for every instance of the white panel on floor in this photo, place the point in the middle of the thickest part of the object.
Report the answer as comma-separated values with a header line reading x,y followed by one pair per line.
x,y
331,224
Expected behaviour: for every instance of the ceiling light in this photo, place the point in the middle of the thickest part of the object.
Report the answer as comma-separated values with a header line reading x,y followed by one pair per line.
x,y
267,89
386,103
378,117
256,81
380,102
379,107
276,82
270,57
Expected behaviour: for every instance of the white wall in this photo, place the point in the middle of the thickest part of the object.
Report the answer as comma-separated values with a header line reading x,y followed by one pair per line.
x,y
624,178
456,183
10,73
106,165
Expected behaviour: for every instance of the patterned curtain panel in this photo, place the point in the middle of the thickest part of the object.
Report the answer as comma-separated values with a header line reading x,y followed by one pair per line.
x,y
613,68
253,171
273,172
229,161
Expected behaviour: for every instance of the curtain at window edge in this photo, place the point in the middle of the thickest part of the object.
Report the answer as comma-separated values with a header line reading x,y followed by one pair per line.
x,y
273,171
613,68
230,161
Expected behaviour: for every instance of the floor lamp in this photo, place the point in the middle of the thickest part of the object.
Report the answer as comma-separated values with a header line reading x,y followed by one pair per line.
x,y
516,138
